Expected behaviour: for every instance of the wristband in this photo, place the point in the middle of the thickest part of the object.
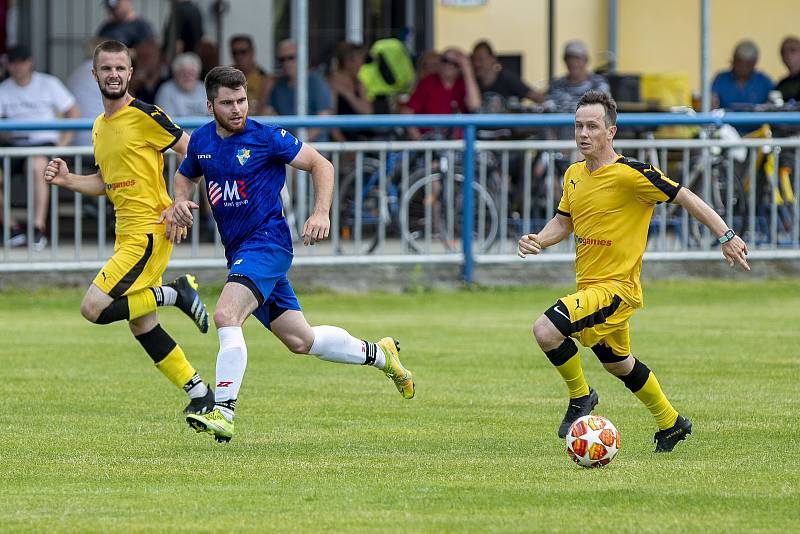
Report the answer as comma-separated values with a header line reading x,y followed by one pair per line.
x,y
726,237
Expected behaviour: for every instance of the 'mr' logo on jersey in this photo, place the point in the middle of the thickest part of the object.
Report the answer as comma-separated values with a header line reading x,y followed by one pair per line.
x,y
231,193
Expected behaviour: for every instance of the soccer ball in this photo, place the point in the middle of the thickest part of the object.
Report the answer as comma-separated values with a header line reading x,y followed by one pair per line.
x,y
592,441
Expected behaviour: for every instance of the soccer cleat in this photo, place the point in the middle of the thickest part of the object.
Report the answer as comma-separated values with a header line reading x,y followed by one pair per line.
x,y
189,301
201,405
666,440
394,369
213,423
577,408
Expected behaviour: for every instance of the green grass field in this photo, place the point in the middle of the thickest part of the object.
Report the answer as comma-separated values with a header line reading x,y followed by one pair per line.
x,y
93,441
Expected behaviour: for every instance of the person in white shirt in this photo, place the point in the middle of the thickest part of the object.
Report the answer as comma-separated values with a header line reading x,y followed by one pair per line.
x,y
183,95
31,95
83,86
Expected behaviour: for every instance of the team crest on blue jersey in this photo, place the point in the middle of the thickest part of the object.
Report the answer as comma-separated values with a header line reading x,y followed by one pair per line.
x,y
243,155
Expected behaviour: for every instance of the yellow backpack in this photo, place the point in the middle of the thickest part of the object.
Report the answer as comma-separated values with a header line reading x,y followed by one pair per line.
x,y
390,70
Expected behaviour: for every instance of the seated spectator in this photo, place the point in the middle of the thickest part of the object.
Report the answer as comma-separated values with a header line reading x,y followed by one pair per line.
x,y
149,71
452,89
564,92
790,85
497,84
124,25
259,82
83,86
742,86
184,94
283,96
32,95
347,92
428,63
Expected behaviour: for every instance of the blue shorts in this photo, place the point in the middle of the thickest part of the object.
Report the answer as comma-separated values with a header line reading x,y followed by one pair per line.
x,y
262,268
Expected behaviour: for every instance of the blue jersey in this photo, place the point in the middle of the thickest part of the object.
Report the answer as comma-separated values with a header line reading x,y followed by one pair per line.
x,y
244,175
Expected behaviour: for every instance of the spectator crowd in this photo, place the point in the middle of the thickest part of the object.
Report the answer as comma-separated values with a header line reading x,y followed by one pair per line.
x,y
358,80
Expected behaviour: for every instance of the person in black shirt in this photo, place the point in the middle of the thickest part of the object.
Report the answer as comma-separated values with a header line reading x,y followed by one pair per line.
x,y
790,54
497,84
124,25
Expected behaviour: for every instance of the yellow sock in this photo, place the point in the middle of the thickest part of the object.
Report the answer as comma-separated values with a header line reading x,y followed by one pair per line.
x,y
176,367
572,373
655,401
141,303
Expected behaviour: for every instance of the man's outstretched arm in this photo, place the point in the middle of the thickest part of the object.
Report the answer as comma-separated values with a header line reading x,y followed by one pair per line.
x,y
734,248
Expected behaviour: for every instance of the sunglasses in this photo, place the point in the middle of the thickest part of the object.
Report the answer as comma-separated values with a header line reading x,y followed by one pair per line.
x,y
240,51
448,61
284,59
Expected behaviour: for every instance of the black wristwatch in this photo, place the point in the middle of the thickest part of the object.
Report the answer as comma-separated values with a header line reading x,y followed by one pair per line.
x,y
726,237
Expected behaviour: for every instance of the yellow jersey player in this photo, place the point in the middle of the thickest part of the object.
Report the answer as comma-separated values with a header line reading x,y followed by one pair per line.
x,y
607,202
129,139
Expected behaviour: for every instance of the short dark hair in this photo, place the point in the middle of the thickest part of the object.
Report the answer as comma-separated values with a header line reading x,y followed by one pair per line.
x,y
112,47
485,45
223,76
604,99
241,37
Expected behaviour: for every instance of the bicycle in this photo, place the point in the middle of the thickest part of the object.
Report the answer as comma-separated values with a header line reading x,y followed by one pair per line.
x,y
431,209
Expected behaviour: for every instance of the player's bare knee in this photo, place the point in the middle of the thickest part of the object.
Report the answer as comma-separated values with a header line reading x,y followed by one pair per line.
x,y
90,311
299,345
621,368
546,334
225,316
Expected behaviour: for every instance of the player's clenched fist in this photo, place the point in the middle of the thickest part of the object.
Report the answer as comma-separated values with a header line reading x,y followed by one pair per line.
x,y
529,244
56,171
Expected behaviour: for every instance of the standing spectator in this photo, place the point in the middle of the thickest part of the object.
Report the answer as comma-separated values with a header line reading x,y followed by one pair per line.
x,y
183,29
34,95
259,82
183,95
565,92
742,86
83,86
149,71
452,89
283,96
124,24
347,92
790,54
497,84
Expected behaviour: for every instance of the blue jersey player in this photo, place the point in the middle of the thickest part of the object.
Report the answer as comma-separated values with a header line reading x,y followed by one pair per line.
x,y
243,162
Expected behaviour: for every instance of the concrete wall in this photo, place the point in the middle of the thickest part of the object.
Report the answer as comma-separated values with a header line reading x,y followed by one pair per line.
x,y
399,278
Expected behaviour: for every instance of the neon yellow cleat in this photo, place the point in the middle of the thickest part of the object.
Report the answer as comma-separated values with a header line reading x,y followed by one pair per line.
x,y
394,369
213,423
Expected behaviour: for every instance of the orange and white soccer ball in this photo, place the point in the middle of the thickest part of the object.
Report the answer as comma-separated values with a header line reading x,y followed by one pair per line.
x,y
592,441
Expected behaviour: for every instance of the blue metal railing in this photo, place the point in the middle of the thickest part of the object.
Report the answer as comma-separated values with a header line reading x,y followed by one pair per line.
x,y
469,124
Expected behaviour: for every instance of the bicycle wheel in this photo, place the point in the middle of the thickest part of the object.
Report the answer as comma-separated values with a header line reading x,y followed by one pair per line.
x,y
361,232
431,214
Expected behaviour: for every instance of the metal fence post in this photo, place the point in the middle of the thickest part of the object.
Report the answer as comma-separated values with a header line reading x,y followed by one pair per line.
x,y
466,231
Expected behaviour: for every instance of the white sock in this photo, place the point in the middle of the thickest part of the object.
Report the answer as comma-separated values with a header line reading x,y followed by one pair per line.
x,y
195,387
165,295
231,363
334,344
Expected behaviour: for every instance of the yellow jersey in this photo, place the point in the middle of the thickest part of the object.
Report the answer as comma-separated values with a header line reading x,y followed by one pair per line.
x,y
128,148
610,210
